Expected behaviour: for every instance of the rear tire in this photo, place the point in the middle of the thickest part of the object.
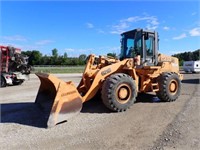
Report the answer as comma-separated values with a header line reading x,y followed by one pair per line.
x,y
169,87
3,81
119,92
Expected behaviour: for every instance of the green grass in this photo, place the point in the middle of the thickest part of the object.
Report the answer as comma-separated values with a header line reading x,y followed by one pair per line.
x,y
63,69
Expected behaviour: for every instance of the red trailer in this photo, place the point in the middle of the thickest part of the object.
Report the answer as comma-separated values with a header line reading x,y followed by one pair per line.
x,y
14,66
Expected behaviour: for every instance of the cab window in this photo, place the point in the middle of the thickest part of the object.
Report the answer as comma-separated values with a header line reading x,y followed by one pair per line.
x,y
129,52
149,46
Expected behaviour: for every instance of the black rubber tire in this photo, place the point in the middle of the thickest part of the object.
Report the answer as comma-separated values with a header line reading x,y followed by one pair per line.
x,y
111,89
169,87
18,82
3,82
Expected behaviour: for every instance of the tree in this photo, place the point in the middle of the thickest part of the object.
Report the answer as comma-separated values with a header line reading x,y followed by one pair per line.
x,y
45,60
35,58
187,56
27,53
65,55
55,52
82,59
112,55
190,55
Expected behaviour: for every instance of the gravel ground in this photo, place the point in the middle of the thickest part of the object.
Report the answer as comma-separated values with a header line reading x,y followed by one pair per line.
x,y
147,125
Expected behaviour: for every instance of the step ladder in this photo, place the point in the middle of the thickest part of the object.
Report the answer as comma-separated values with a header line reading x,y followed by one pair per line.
x,y
154,87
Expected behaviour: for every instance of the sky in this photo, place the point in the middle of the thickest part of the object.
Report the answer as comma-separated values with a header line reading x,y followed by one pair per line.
x,y
85,27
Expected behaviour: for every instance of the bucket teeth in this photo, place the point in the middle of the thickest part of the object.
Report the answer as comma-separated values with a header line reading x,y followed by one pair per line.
x,y
57,99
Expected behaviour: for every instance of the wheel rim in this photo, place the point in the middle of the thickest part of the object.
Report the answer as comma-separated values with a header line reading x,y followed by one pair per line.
x,y
123,93
173,87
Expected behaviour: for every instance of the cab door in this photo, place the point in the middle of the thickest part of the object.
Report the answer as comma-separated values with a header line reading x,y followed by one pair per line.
x,y
149,49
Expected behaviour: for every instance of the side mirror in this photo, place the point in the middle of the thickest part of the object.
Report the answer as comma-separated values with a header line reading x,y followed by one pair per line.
x,y
146,36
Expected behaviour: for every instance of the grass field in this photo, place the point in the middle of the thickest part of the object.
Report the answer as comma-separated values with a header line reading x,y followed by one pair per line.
x,y
63,69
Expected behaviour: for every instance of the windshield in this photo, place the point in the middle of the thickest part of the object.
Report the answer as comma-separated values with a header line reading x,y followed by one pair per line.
x,y
131,44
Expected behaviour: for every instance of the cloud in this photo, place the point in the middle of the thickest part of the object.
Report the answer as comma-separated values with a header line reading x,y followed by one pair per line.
x,y
149,19
9,44
101,31
69,50
117,48
14,38
119,28
152,22
195,32
124,24
192,32
21,46
75,52
166,28
89,25
180,37
44,42
29,47
194,13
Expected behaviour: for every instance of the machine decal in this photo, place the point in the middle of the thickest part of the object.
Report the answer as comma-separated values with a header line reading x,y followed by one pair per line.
x,y
106,71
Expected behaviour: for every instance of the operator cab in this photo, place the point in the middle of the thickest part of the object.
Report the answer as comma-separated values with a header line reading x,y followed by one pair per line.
x,y
142,44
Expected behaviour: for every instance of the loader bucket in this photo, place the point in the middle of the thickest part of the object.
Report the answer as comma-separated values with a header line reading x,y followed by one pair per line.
x,y
57,99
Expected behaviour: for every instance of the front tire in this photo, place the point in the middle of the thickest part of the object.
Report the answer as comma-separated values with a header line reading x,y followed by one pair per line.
x,y
169,87
119,92
18,82
3,81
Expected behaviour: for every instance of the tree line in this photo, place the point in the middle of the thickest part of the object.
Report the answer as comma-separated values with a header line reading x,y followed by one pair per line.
x,y
37,58
187,56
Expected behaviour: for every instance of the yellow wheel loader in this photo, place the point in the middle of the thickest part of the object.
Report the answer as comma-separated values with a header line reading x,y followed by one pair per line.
x,y
139,69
